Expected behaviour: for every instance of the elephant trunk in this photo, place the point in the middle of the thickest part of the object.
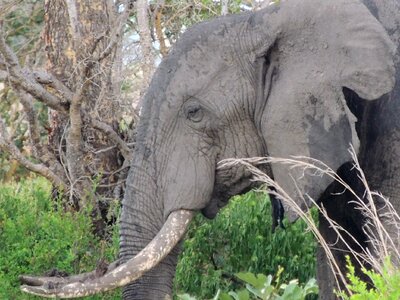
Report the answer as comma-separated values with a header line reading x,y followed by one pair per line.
x,y
141,219
148,248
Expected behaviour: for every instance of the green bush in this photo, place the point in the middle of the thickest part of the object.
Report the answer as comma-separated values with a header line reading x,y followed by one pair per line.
x,y
265,288
240,239
35,237
386,285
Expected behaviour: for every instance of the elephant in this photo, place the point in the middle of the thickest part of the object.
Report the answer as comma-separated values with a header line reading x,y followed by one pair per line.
x,y
378,126
275,82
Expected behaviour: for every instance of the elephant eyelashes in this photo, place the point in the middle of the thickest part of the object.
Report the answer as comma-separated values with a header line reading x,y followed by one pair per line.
x,y
194,113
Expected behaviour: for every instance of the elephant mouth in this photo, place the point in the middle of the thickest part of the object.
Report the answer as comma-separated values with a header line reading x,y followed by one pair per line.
x,y
228,183
118,275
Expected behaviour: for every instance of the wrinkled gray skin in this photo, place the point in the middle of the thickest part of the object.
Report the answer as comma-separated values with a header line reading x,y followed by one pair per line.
x,y
378,127
248,85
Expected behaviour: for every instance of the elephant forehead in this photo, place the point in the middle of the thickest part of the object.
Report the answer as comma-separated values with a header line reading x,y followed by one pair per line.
x,y
196,70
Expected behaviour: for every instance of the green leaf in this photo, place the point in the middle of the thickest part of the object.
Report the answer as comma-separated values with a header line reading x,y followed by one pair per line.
x,y
257,281
240,295
225,296
186,297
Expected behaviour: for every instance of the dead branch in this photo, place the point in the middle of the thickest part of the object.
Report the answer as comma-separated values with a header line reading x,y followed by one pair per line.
x,y
113,136
26,81
2,64
45,78
74,136
145,43
73,22
224,7
7,145
3,75
159,33
40,150
117,32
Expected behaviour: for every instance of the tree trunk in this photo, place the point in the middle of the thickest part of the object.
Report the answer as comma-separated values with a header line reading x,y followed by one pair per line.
x,y
78,35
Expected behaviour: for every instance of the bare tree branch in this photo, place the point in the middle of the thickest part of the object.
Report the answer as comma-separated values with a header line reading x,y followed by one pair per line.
x,y
3,75
7,145
74,152
45,78
40,150
25,81
145,42
109,131
159,33
2,64
117,32
73,22
224,7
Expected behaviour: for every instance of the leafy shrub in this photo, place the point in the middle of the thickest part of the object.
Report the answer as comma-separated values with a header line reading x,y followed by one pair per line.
x,y
240,239
386,285
36,237
264,288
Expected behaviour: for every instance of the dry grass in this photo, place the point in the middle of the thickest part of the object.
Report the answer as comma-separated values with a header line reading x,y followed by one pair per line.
x,y
382,242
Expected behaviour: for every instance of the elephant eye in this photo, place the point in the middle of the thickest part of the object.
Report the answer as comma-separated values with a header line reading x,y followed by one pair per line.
x,y
194,113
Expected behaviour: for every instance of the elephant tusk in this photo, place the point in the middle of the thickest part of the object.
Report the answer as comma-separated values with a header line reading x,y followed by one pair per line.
x,y
41,280
165,240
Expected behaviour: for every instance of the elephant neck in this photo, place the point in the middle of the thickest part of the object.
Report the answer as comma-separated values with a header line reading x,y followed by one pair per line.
x,y
380,160
381,164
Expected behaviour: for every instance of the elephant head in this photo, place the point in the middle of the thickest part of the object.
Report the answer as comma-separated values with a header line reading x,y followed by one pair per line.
x,y
268,82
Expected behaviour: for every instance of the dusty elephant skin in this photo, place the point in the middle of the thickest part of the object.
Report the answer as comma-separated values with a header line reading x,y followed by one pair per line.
x,y
269,82
378,127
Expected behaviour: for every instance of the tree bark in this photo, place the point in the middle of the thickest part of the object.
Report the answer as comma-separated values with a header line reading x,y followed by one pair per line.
x,y
81,38
145,43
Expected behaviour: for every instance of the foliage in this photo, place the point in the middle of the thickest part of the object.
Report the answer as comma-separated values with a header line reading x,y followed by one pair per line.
x,y
385,285
265,288
262,287
23,24
179,15
37,236
241,239
22,27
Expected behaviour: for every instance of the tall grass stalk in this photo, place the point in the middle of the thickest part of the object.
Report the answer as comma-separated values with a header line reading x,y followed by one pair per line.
x,y
382,243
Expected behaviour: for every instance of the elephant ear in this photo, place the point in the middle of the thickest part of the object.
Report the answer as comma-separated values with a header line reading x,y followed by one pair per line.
x,y
319,48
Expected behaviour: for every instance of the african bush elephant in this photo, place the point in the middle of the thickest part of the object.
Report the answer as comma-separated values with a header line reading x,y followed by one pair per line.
x,y
378,127
263,83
